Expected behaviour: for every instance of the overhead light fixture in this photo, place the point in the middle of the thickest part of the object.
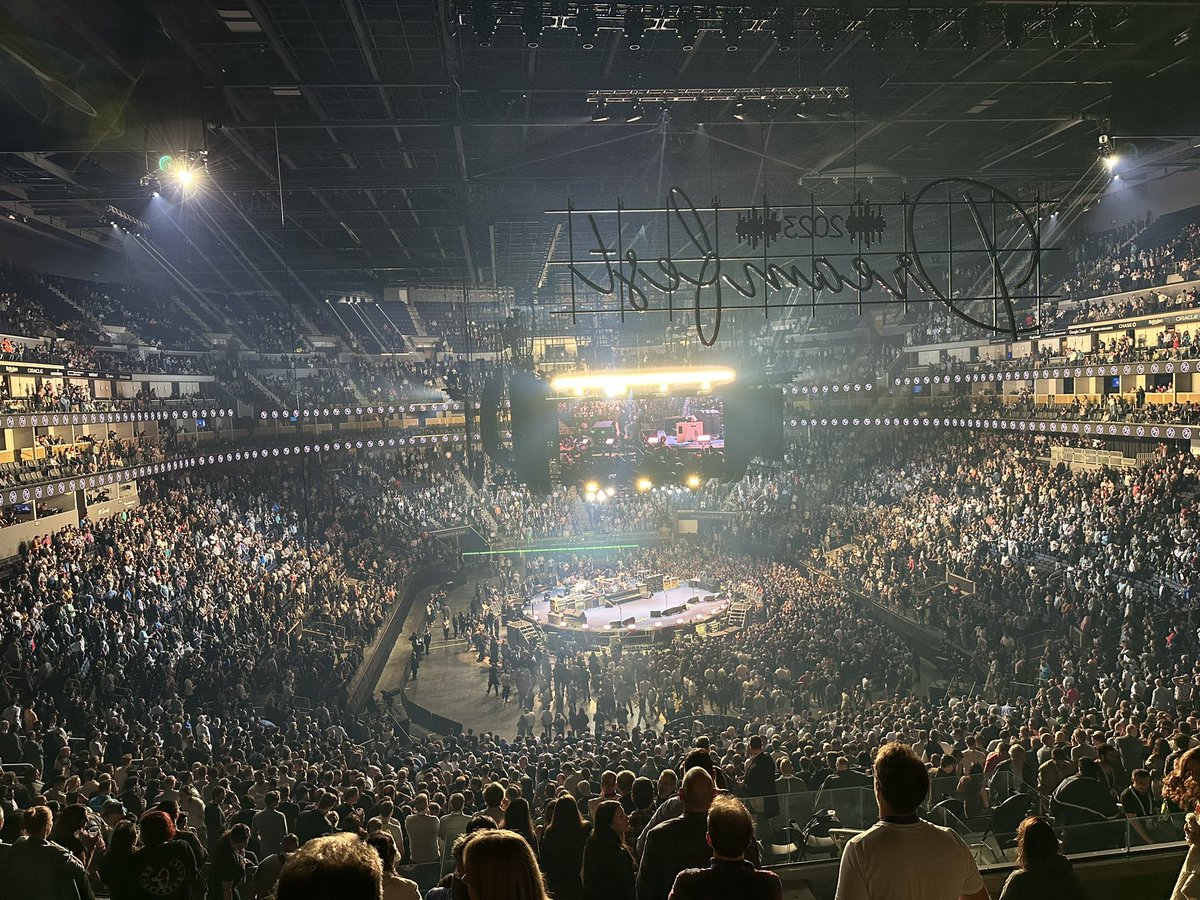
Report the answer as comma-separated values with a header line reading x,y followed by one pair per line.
x,y
771,108
637,112
688,28
618,382
531,25
693,481
879,26
644,484
783,28
802,109
1014,27
483,21
739,110
186,176
1060,26
1101,29
587,26
920,27
970,27
732,26
635,27
829,26
601,113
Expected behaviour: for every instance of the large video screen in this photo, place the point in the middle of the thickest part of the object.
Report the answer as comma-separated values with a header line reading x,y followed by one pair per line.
x,y
667,439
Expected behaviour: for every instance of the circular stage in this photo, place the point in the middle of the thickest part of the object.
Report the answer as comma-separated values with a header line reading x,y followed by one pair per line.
x,y
652,605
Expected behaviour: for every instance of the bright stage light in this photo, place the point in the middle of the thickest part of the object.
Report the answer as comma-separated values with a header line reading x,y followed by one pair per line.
x,y
1111,162
185,176
644,484
591,487
616,383
693,481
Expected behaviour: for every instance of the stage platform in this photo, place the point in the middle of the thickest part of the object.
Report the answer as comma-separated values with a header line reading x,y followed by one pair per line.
x,y
643,611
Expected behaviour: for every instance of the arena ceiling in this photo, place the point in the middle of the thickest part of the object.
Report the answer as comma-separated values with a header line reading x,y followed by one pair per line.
x,y
403,152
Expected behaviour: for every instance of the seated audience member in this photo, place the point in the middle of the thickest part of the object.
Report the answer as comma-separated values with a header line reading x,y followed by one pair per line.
x,y
1042,872
499,865
730,833
340,866
38,867
394,887
893,858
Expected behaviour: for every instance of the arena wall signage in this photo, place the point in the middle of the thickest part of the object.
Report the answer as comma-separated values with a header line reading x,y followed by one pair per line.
x,y
681,258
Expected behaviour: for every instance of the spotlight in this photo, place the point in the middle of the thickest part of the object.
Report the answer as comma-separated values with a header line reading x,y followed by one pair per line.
x,y
771,108
592,486
635,27
483,21
920,27
829,26
185,176
802,109
644,484
783,28
601,113
587,26
970,27
1100,30
879,26
731,27
1111,162
1014,28
739,110
637,112
688,28
1060,27
693,481
531,25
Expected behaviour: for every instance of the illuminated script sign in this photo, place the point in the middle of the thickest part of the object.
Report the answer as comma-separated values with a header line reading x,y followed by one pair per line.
x,y
957,242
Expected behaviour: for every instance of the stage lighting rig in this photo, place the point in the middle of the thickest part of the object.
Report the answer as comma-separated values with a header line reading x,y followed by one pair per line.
x,y
634,27
587,26
829,27
1014,28
879,26
783,28
920,27
688,28
483,21
970,27
636,113
601,113
1101,29
732,26
531,25
1060,26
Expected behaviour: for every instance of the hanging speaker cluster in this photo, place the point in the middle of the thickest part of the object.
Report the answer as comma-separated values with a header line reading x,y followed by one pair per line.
x,y
534,429
753,426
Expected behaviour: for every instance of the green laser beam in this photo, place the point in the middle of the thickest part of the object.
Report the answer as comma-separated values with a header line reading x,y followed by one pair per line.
x,y
553,549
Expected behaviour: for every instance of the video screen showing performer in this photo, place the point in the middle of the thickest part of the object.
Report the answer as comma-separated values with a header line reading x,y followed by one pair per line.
x,y
663,438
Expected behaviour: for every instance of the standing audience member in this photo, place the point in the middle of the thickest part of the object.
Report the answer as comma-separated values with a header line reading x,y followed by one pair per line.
x,y
1042,872
394,887
266,876
608,869
229,864
269,826
335,867
450,827
38,867
115,868
422,829
893,857
561,850
730,834
164,867
759,784
499,865
680,843
516,818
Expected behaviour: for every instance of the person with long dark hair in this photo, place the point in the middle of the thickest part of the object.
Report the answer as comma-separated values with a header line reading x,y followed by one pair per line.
x,y
516,818
608,867
115,869
561,852
228,863
1042,872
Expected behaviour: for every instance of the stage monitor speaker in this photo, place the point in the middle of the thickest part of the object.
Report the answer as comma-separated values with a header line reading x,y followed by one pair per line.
x,y
628,621
656,613
753,426
534,428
